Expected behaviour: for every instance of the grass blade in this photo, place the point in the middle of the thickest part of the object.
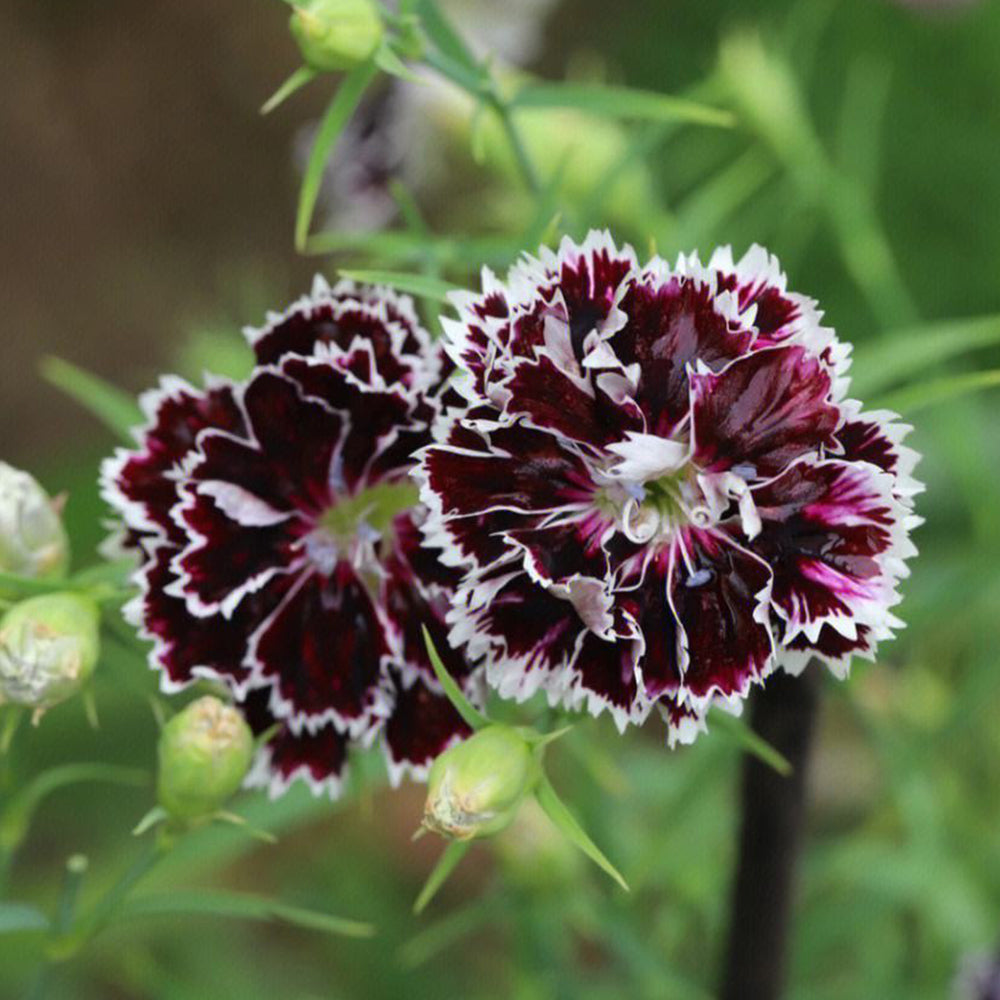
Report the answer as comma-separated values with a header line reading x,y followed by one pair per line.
x,y
295,82
570,828
741,734
901,353
114,407
472,716
16,917
422,285
939,390
338,112
621,102
447,863
239,906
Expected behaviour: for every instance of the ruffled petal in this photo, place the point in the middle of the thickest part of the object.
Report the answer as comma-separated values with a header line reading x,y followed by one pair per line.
x,y
836,538
318,758
423,724
762,412
720,595
323,651
142,485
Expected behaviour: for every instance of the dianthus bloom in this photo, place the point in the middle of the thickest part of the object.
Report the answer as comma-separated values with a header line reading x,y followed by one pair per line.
x,y
278,530
656,489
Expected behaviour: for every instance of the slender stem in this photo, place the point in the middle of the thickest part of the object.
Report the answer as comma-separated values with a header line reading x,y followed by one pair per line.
x,y
483,87
105,907
517,146
783,714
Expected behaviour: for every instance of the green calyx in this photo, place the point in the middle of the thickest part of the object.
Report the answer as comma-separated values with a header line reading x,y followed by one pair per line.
x,y
336,34
476,787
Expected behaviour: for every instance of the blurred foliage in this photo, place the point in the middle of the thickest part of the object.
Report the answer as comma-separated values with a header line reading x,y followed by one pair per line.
x,y
865,157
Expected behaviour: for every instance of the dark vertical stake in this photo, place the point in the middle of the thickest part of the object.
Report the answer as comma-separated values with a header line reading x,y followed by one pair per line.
x,y
784,714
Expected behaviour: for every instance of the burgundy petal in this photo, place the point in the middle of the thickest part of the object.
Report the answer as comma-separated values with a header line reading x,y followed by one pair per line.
x,y
342,316
228,559
530,635
141,480
318,758
762,412
186,647
527,470
423,724
323,650
717,595
671,325
416,593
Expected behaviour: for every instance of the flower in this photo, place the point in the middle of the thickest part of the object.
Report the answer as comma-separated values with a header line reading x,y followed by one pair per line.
x,y
655,488
33,540
48,649
278,527
205,751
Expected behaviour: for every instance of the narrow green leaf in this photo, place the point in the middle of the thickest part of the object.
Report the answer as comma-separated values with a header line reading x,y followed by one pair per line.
x,y
740,733
466,252
939,390
240,906
422,285
21,587
472,716
387,60
114,407
302,76
620,102
19,917
901,353
567,824
444,36
15,819
443,933
447,863
342,105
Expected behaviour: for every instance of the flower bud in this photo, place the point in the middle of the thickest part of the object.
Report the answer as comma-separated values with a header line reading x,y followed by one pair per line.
x,y
476,787
48,649
205,753
336,34
32,538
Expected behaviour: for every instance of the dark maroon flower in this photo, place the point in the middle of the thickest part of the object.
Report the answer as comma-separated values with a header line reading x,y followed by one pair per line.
x,y
277,526
654,487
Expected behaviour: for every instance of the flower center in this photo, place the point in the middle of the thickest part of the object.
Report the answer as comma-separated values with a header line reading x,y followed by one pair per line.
x,y
355,522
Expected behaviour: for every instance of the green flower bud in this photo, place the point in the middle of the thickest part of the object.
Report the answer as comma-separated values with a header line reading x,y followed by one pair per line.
x,y
205,753
48,649
32,538
476,787
336,34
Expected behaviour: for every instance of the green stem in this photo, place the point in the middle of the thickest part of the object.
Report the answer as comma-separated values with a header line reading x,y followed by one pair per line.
x,y
104,909
517,146
483,87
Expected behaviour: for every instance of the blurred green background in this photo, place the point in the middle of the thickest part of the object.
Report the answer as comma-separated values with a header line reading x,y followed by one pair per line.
x,y
147,213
